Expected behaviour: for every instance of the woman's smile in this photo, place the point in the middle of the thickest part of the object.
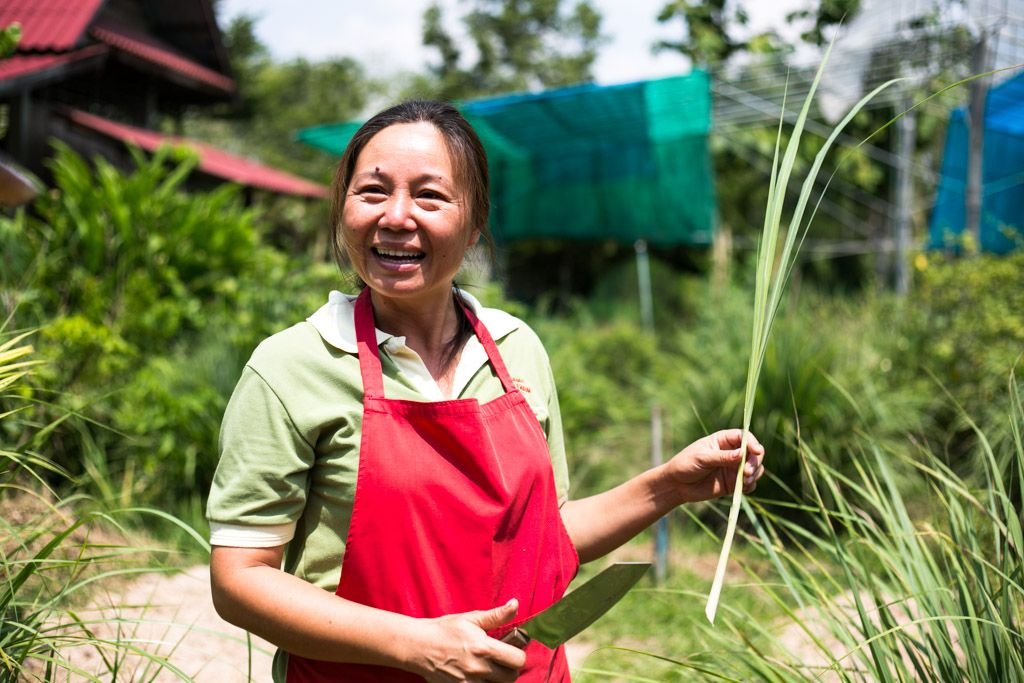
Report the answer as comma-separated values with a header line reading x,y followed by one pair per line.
x,y
398,259
405,222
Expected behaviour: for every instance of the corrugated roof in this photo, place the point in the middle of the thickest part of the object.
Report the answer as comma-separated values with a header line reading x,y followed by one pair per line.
x,y
18,65
213,161
148,48
49,25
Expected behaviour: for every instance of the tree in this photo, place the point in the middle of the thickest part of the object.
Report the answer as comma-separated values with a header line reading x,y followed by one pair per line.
x,y
709,35
519,45
748,94
827,14
274,101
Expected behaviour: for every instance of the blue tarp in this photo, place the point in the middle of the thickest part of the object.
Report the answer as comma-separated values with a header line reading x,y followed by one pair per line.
x,y
1002,210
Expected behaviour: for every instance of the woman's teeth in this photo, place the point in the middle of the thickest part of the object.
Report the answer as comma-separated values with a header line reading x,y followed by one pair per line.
x,y
397,255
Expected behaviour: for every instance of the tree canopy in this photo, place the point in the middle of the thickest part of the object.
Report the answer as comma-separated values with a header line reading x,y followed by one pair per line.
x,y
516,45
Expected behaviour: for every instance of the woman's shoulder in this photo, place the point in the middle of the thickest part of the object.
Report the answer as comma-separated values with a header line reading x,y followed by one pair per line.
x,y
299,355
518,342
291,344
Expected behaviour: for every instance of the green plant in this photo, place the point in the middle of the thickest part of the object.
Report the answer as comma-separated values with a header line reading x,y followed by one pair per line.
x,y
606,374
55,549
808,381
775,261
148,299
879,587
960,326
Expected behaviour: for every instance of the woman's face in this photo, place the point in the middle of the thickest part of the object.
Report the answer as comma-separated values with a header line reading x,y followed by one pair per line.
x,y
405,220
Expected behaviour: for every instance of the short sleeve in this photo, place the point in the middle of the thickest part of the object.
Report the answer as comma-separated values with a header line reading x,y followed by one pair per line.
x,y
556,441
261,478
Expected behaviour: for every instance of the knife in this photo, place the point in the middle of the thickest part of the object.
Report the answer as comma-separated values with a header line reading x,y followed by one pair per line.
x,y
580,608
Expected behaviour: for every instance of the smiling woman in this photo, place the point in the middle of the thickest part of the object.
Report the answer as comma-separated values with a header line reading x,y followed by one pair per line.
x,y
400,454
404,222
408,199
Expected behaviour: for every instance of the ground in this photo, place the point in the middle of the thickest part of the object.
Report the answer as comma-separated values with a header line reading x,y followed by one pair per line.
x,y
179,622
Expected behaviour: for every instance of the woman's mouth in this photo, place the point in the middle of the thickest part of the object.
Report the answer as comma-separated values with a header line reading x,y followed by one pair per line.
x,y
397,259
398,256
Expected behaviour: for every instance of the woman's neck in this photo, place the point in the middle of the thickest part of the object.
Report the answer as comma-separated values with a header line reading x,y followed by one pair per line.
x,y
428,328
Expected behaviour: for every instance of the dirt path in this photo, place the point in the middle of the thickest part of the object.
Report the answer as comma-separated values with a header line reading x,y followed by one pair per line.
x,y
178,622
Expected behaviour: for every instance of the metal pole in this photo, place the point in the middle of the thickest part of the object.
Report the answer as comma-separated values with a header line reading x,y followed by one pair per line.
x,y
978,88
905,133
643,272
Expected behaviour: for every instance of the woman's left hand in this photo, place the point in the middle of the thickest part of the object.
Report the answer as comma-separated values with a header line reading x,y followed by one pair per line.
x,y
707,467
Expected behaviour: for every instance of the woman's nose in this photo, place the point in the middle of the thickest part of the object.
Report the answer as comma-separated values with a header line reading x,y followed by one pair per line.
x,y
398,212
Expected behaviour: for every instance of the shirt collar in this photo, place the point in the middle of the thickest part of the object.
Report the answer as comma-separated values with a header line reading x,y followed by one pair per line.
x,y
335,321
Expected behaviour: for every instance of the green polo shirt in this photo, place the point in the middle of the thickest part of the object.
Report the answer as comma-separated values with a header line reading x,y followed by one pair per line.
x,y
289,443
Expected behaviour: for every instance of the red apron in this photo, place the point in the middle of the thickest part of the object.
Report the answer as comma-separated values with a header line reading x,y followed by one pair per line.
x,y
455,510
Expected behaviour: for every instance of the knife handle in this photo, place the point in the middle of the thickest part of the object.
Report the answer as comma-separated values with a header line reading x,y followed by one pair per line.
x,y
517,638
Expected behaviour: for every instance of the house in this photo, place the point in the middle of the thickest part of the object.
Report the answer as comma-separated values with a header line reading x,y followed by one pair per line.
x,y
101,74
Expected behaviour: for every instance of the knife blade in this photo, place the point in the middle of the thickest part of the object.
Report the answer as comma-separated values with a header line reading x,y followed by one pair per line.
x,y
580,608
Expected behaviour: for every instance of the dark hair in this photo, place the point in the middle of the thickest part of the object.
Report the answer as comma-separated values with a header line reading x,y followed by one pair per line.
x,y
469,161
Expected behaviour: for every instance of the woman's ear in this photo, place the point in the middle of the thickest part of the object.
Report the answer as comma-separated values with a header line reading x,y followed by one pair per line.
x,y
474,237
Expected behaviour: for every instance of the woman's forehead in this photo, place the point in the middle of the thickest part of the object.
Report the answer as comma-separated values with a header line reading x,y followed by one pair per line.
x,y
403,145
408,139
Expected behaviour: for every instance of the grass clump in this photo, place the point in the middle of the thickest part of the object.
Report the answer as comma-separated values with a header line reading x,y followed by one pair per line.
x,y
868,586
57,552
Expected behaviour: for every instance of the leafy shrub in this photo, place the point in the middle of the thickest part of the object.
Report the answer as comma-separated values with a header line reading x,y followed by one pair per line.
x,y
808,380
962,326
149,300
605,373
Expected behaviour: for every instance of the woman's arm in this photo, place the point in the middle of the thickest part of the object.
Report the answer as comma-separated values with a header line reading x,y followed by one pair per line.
x,y
703,470
252,592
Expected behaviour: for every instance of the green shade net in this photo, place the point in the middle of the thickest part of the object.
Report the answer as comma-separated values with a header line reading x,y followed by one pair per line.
x,y
621,162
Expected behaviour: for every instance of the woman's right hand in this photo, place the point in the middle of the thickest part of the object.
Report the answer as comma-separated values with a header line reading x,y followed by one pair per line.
x,y
456,647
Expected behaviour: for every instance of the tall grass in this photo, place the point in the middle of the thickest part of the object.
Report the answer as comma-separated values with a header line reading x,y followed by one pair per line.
x,y
56,552
877,587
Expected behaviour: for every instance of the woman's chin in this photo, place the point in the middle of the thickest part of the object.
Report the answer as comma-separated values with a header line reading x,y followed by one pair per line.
x,y
405,288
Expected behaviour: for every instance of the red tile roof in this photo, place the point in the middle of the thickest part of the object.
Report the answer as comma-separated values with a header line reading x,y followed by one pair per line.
x,y
52,27
19,65
148,48
49,25
213,161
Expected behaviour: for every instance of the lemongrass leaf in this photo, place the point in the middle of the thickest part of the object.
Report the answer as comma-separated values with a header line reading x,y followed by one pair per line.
x,y
766,291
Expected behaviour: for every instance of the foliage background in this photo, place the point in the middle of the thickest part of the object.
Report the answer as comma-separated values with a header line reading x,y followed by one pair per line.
x,y
146,300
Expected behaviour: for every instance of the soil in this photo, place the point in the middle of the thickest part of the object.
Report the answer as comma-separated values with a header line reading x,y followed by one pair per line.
x,y
173,617
179,623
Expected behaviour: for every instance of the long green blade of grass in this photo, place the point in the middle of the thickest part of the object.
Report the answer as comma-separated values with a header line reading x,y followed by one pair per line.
x,y
774,265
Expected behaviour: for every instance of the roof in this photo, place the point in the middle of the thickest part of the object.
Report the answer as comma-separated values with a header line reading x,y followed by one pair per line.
x,y
212,161
55,31
20,65
49,25
152,50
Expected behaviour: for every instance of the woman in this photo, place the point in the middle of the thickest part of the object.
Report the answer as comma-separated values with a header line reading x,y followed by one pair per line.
x,y
403,449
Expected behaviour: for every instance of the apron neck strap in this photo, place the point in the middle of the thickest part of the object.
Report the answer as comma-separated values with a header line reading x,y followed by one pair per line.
x,y
366,345
369,354
489,346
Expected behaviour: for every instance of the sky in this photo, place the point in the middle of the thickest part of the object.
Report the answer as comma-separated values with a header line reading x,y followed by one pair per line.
x,y
385,34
